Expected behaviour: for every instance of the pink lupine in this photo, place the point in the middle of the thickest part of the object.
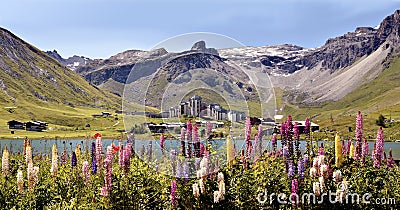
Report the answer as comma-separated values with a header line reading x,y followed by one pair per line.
x,y
85,171
359,131
174,200
379,148
162,142
209,129
121,156
189,137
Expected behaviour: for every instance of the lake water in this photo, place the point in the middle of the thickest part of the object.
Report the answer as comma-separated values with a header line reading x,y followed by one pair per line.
x,y
44,146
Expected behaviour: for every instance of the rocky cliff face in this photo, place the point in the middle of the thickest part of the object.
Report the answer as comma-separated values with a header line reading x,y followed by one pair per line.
x,y
72,63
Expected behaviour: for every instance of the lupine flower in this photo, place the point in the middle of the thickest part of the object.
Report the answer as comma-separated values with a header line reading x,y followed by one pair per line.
x,y
390,161
121,156
220,194
182,138
54,161
127,156
202,149
283,134
172,154
337,176
162,142
107,172
93,150
32,175
351,153
316,188
26,142
296,135
64,157
186,170
321,149
324,170
173,195
195,137
365,148
379,148
99,149
313,172
291,169
204,168
306,159
189,137
94,166
196,190
288,134
359,131
338,151
201,185
300,168
295,189
348,147
285,152
20,181
73,159
307,132
28,154
209,129
85,171
5,165
247,136
273,141
322,183
179,169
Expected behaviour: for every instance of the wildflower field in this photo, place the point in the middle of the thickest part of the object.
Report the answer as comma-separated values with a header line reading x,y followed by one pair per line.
x,y
337,175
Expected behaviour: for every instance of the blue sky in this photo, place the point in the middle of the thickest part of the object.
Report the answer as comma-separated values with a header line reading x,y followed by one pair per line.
x,y
101,28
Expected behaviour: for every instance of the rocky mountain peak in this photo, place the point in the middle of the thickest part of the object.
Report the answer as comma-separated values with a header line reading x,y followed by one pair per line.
x,y
200,46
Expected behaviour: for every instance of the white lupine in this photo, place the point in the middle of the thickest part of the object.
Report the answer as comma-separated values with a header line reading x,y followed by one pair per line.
x,y
313,172
196,190
322,184
316,189
54,161
324,170
5,165
28,154
202,188
337,176
20,181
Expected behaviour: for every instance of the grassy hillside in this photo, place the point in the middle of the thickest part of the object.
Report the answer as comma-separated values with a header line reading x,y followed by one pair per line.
x,y
380,96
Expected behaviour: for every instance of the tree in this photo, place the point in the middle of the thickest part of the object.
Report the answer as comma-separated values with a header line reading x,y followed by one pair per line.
x,y
381,121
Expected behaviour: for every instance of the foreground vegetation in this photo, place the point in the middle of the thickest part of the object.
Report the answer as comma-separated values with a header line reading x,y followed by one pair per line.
x,y
248,179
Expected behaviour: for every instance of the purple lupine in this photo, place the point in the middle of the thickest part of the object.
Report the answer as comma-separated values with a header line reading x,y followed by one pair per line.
x,y
283,134
379,148
174,200
296,135
121,156
307,132
247,136
186,170
162,142
273,141
359,132
348,148
390,161
208,133
74,160
179,169
182,138
294,195
321,149
306,160
172,154
93,150
94,166
197,163
300,168
189,138
196,141
285,152
291,169
288,134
